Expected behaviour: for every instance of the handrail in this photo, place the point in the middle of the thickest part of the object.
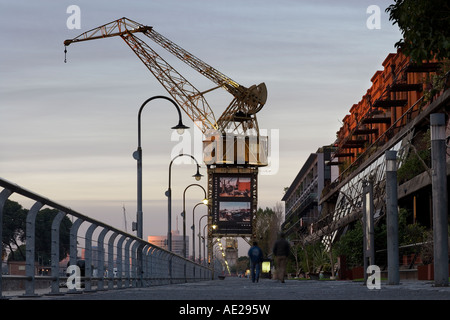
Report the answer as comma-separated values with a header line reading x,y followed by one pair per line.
x,y
157,265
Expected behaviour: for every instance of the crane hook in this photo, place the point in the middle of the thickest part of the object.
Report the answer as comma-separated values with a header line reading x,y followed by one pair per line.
x,y
65,54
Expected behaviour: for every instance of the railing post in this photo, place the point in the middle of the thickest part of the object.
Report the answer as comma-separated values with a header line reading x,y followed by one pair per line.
x,y
88,259
30,249
73,248
159,267
146,265
135,263
101,261
127,263
120,261
55,252
111,260
150,259
4,195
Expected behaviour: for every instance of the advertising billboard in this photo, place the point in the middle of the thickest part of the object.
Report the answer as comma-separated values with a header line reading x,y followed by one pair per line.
x,y
233,204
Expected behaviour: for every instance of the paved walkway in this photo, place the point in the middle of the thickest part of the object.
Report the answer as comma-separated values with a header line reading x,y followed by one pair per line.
x,y
235,289
236,297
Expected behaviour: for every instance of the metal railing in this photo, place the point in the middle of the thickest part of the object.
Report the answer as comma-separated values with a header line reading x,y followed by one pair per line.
x,y
131,261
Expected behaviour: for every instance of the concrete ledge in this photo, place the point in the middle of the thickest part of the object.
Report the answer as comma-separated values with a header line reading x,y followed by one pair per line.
x,y
19,284
410,274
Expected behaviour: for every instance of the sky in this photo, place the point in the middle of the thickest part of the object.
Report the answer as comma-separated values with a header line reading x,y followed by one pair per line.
x,y
68,130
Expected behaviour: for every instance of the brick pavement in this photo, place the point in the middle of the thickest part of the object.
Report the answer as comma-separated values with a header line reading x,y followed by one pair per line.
x,y
236,297
233,288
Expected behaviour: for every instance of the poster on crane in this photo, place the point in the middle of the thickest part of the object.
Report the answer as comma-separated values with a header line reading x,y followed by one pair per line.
x,y
233,205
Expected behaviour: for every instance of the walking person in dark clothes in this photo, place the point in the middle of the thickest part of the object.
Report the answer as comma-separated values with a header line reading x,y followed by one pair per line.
x,y
256,256
281,253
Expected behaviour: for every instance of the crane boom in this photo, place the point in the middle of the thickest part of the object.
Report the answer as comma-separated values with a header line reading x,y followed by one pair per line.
x,y
185,94
246,103
241,111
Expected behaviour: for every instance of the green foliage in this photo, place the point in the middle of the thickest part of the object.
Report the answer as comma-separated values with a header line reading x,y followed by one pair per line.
x,y
311,257
242,264
44,221
418,159
350,245
425,28
268,222
14,232
409,233
13,227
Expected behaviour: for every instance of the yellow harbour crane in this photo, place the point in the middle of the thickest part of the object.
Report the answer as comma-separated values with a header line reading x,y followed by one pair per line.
x,y
233,146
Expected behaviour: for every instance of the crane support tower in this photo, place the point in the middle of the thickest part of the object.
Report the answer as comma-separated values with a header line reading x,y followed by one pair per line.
x,y
233,149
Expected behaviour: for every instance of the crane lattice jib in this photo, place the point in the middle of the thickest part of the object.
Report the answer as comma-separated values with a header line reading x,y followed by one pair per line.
x,y
241,111
184,93
203,68
247,102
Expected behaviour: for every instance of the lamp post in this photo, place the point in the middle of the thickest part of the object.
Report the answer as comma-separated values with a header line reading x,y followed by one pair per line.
x,y
368,239
200,239
197,177
137,155
205,260
184,213
204,202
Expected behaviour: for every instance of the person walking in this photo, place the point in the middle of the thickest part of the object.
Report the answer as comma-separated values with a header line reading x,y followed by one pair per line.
x,y
256,256
281,252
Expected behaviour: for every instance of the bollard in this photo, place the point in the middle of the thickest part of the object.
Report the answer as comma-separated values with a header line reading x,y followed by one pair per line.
x,y
392,218
440,201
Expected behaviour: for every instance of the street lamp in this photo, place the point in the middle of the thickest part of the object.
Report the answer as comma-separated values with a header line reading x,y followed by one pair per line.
x,y
137,155
193,228
200,238
197,177
205,201
205,260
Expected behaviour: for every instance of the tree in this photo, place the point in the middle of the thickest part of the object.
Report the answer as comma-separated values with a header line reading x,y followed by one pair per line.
x,y
425,28
44,221
14,232
350,245
242,264
268,223
14,217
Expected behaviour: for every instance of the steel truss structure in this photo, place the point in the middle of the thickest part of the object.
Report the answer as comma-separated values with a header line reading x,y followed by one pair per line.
x,y
342,204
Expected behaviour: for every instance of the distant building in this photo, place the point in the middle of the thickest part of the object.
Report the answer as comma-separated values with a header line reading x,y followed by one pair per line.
x,y
301,198
231,251
177,242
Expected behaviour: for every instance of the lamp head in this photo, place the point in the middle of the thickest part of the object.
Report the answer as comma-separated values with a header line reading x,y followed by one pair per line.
x,y
198,175
180,127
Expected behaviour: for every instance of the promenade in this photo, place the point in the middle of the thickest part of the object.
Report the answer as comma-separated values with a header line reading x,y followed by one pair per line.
x,y
233,288
231,297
